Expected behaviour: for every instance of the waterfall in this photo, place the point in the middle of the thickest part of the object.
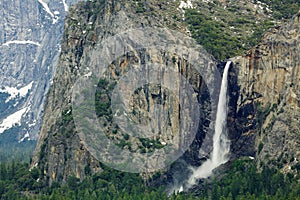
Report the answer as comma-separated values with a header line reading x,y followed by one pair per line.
x,y
221,144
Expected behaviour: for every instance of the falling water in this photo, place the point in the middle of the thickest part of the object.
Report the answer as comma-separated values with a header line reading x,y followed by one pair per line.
x,y
221,144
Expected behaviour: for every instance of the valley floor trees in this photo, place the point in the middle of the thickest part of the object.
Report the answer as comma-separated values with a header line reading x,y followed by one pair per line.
x,y
242,181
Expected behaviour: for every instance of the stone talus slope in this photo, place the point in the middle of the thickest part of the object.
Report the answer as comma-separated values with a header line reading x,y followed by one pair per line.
x,y
267,97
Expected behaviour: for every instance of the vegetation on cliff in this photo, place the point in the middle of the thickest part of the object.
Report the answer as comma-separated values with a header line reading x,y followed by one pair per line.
x,y
229,30
283,9
223,38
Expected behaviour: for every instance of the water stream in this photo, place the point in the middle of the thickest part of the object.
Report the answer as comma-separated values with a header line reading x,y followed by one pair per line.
x,y
221,144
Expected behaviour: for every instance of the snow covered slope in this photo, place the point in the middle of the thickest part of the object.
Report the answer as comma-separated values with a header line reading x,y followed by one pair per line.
x,y
30,36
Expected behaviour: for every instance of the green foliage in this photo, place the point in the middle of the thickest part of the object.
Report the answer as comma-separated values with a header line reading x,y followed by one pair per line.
x,y
73,182
12,149
173,59
297,167
122,143
16,177
67,115
148,145
139,6
243,181
283,9
126,136
226,33
102,99
212,36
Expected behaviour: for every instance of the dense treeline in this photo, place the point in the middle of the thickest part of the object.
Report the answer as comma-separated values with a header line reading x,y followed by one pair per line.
x,y
243,181
12,149
18,182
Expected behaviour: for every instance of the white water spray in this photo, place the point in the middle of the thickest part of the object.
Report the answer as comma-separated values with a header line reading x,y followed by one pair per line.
x,y
221,144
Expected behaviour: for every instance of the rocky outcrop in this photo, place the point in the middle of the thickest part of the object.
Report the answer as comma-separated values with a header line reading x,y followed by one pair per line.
x,y
266,99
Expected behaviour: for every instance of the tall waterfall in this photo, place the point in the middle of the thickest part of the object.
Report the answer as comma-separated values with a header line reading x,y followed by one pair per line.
x,y
221,144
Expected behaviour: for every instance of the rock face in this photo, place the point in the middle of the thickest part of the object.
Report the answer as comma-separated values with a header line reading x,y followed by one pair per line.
x,y
60,151
263,92
30,37
265,98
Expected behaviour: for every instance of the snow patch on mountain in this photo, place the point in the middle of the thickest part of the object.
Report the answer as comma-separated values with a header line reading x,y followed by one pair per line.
x,y
14,92
186,5
29,47
207,1
13,120
65,5
26,136
47,9
20,42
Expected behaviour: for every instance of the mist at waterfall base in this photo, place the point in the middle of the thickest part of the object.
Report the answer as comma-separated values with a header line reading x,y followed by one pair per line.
x,y
221,144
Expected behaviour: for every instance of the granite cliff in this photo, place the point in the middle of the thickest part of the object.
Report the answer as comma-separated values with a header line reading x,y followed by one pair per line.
x,y
264,101
265,97
60,151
